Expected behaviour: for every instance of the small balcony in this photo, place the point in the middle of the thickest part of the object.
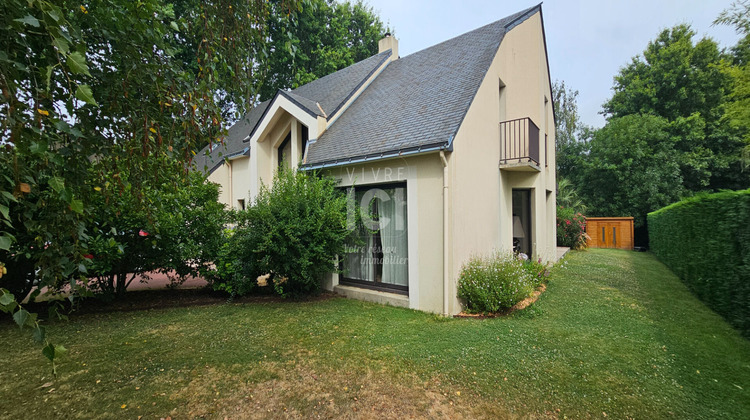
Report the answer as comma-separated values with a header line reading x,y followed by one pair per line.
x,y
519,145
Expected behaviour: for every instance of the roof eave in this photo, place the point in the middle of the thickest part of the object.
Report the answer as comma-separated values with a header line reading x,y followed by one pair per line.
x,y
374,157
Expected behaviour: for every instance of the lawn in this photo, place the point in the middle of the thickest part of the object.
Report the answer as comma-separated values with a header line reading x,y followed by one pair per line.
x,y
615,334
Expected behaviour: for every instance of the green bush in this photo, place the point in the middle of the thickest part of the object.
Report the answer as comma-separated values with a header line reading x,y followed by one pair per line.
x,y
705,240
494,282
571,227
538,270
292,232
177,232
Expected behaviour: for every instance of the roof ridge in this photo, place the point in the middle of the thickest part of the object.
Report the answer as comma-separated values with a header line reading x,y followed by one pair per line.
x,y
311,105
516,16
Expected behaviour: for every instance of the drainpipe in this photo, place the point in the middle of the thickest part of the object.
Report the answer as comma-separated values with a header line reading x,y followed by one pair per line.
x,y
446,273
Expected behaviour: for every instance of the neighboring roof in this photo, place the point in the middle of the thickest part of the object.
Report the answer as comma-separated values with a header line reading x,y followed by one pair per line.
x,y
330,91
234,142
418,102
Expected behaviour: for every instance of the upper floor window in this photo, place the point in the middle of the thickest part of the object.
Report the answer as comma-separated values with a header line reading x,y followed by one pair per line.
x,y
284,152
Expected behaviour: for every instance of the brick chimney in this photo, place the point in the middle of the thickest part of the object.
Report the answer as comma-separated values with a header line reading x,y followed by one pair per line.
x,y
389,43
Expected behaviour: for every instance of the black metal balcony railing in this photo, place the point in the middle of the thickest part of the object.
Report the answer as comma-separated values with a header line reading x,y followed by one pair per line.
x,y
519,142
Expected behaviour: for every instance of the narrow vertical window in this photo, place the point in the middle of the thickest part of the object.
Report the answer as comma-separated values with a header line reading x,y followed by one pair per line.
x,y
501,99
614,236
284,152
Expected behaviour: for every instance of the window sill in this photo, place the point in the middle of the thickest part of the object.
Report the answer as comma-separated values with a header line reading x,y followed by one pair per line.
x,y
385,298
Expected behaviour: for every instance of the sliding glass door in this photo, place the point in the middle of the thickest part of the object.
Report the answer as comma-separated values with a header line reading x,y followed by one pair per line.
x,y
377,255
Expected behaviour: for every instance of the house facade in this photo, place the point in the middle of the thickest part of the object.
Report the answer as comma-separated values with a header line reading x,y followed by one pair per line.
x,y
445,154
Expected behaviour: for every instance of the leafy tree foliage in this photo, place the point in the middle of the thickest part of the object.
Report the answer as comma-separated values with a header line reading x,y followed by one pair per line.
x,y
109,90
572,143
327,36
738,105
109,87
631,168
675,127
568,196
173,231
682,81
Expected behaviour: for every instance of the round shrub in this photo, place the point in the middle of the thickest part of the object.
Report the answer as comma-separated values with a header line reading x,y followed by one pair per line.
x,y
287,239
494,282
571,228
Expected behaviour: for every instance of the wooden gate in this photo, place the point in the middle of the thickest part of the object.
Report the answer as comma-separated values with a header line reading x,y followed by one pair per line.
x,y
610,232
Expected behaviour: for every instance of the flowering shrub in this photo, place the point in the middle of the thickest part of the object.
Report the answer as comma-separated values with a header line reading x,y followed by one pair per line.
x,y
538,271
494,282
571,227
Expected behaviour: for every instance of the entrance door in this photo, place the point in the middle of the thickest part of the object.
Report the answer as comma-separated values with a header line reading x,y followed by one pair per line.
x,y
522,239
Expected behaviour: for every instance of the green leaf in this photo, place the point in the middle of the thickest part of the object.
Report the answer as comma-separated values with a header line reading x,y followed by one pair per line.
x,y
62,44
5,211
77,64
82,268
60,350
21,316
38,147
6,298
77,206
8,196
29,20
84,93
49,352
57,183
39,334
174,26
5,242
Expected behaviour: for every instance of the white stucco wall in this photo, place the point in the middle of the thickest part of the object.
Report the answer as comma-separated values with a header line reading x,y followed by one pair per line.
x,y
480,193
424,185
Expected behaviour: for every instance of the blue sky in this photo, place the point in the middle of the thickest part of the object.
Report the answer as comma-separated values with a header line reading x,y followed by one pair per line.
x,y
588,41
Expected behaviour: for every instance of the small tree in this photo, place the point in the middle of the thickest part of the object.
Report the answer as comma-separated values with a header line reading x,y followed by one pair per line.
x,y
177,232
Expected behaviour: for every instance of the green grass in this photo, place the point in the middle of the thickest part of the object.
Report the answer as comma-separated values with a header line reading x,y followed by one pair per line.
x,y
615,333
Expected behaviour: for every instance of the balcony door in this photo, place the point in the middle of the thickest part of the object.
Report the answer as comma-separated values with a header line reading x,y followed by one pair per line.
x,y
522,228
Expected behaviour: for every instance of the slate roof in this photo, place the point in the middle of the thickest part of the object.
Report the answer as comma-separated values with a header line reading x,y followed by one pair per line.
x,y
418,102
330,91
233,143
334,90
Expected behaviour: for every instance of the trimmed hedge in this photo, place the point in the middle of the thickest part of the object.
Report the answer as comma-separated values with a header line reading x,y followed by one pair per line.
x,y
705,240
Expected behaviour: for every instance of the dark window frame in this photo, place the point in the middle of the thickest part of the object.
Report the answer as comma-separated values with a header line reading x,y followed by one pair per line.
x,y
529,214
280,149
366,284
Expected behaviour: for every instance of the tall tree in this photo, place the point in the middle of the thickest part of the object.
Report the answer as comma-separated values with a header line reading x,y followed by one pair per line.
x,y
682,82
571,135
109,87
327,36
738,105
631,170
